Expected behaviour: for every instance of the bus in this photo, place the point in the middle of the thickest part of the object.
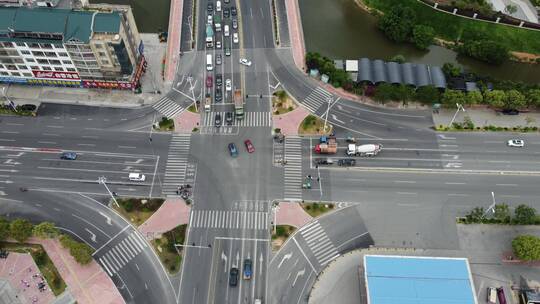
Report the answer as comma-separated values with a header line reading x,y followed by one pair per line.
x,y
209,63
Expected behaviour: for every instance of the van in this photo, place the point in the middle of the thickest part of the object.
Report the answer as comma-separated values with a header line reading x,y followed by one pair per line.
x,y
209,63
491,295
226,30
218,6
137,177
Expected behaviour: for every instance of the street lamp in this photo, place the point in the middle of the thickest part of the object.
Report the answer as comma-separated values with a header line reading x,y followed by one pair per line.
x,y
492,206
103,180
459,107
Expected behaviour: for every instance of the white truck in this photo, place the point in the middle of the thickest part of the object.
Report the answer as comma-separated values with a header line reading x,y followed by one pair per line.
x,y
364,150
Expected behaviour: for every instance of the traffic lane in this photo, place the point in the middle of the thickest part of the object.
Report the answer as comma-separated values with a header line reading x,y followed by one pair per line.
x,y
346,229
200,27
256,24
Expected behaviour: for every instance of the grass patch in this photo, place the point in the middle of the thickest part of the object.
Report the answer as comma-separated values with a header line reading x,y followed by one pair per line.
x,y
282,103
136,211
170,255
450,27
193,109
312,125
195,130
282,234
317,209
6,110
42,260
166,124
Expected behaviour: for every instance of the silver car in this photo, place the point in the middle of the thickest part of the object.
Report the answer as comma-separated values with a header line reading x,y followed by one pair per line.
x,y
234,23
218,59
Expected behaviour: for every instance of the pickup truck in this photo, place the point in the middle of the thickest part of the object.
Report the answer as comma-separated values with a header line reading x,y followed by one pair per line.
x,y
364,150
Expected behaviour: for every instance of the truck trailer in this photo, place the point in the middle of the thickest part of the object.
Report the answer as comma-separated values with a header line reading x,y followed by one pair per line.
x,y
364,150
326,145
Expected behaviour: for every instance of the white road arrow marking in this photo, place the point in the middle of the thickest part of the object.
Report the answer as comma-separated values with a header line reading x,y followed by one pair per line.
x,y
11,162
128,168
237,258
453,156
9,170
261,263
93,236
299,274
336,119
7,182
16,155
339,107
285,257
2,193
109,222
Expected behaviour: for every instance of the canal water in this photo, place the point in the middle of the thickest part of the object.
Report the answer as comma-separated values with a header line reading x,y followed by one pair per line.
x,y
151,16
339,29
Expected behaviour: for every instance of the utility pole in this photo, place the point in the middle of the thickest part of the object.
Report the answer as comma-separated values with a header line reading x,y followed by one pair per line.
x,y
103,180
152,127
329,100
459,107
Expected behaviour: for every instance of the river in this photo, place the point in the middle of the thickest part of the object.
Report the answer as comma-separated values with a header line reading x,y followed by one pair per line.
x,y
151,16
339,29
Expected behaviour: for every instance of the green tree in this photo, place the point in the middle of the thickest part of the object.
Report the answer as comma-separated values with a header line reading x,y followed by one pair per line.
x,y
423,36
428,95
502,213
474,97
485,50
510,9
81,252
526,247
525,215
20,230
45,230
495,98
4,229
397,24
451,70
384,92
533,98
451,97
514,100
398,58
476,215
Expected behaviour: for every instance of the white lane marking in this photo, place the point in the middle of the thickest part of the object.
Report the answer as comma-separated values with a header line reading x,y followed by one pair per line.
x,y
127,147
3,139
454,183
506,185
457,194
47,142
50,134
14,124
407,193
57,127
88,145
408,205
10,132
404,182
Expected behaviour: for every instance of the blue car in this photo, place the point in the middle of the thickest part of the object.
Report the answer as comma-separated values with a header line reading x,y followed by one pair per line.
x,y
247,269
232,150
69,156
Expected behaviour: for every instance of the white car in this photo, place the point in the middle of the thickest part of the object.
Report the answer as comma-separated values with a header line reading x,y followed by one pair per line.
x,y
218,44
210,20
228,85
245,62
516,143
235,38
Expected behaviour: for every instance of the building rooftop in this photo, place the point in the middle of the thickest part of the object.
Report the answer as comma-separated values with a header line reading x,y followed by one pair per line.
x,y
71,23
418,280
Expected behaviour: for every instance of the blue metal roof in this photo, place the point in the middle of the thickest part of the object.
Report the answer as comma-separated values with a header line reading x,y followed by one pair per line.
x,y
418,280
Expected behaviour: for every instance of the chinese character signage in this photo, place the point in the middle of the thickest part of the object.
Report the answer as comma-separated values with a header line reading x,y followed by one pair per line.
x,y
56,75
107,84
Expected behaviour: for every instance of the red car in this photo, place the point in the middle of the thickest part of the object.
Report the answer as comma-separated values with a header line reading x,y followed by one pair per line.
x,y
249,146
209,81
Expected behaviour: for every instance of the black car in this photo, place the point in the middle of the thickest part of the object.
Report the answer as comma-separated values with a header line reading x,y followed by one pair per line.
x,y
226,12
210,7
510,112
233,11
229,118
218,96
347,162
219,79
217,120
323,161
233,151
233,277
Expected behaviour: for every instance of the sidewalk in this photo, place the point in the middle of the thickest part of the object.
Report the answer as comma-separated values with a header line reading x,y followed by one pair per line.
x,y
172,213
173,42
292,214
296,33
290,122
484,117
186,121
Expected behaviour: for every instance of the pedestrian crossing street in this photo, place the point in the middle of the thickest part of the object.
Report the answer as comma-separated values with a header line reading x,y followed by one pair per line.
x,y
293,168
167,107
175,171
119,255
225,219
251,119
319,243
316,99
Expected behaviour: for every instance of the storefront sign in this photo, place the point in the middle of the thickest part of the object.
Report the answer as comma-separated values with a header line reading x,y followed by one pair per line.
x,y
53,82
107,84
12,80
56,75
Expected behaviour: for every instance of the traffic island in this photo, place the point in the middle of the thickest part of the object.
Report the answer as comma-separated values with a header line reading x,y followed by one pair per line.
x,y
166,248
282,103
280,234
317,209
313,125
137,210
186,121
165,124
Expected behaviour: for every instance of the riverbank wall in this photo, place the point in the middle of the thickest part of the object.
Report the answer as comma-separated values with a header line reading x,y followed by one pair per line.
x,y
296,33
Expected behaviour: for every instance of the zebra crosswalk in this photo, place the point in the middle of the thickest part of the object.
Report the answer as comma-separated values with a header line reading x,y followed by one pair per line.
x,y
293,168
167,107
121,253
319,243
229,219
251,119
175,171
316,99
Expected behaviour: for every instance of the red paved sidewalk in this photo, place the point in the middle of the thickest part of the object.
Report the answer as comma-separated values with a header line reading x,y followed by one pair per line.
x,y
23,275
292,214
173,42
172,213
289,122
296,33
89,284
186,121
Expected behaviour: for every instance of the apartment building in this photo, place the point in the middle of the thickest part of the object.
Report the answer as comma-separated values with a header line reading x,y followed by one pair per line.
x,y
99,47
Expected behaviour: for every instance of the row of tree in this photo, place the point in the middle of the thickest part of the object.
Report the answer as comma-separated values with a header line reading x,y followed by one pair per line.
x,y
21,230
511,99
325,65
400,24
523,215
527,247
